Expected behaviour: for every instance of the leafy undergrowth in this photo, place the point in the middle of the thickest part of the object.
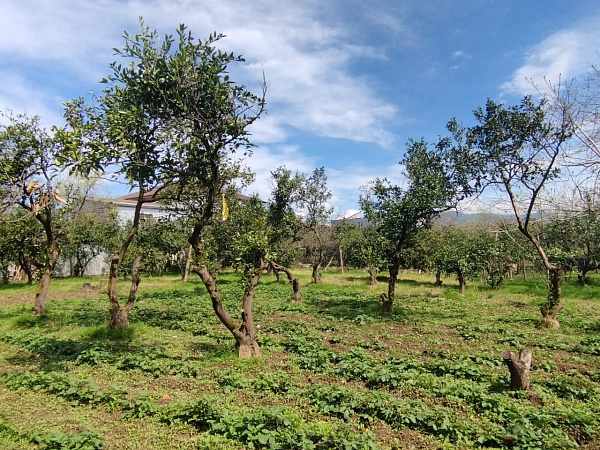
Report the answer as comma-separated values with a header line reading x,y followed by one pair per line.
x,y
335,373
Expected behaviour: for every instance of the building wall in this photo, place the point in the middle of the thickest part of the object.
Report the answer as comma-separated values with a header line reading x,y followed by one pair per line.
x,y
100,265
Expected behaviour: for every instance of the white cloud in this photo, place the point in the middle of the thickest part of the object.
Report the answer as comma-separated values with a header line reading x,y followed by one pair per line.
x,y
346,185
563,55
266,159
305,59
22,97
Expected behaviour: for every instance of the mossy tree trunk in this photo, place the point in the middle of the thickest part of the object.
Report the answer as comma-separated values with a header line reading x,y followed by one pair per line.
x,y
44,284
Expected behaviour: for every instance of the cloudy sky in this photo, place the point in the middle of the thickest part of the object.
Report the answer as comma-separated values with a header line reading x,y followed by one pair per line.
x,y
349,82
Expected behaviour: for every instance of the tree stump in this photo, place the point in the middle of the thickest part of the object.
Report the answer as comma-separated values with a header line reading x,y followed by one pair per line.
x,y
519,368
549,319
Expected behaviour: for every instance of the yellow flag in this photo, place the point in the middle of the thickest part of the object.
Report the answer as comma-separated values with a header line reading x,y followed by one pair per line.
x,y
224,208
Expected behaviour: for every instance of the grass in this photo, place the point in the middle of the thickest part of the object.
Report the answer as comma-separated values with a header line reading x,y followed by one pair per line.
x,y
335,373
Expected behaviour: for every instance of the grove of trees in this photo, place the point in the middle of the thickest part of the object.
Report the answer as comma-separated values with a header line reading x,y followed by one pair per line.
x,y
173,126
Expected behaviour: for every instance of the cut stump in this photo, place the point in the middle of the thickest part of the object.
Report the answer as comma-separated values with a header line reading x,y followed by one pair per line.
x,y
519,366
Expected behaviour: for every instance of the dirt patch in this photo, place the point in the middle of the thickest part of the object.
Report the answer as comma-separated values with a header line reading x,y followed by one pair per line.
x,y
401,439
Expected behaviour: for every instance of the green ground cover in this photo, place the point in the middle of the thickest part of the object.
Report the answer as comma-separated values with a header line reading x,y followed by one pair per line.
x,y
335,373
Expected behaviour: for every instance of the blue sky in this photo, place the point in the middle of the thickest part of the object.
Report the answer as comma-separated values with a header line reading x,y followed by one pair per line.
x,y
349,81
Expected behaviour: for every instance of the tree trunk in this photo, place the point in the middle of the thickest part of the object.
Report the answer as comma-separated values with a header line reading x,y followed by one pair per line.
x,y
5,275
372,277
26,266
497,283
296,289
554,278
438,277
119,316
462,283
246,345
519,368
387,302
293,281
342,260
188,260
553,307
581,277
244,334
316,276
549,316
276,273
42,292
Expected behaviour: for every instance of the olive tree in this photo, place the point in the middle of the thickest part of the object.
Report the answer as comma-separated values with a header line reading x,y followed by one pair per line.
x,y
32,160
176,123
519,147
313,195
210,117
437,179
284,225
362,247
125,130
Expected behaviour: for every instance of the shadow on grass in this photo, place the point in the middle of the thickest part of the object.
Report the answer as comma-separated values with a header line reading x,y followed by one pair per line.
x,y
500,385
106,333
415,283
55,318
362,310
15,286
49,353
101,346
14,312
211,350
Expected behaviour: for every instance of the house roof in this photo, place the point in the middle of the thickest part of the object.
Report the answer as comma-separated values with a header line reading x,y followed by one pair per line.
x,y
132,197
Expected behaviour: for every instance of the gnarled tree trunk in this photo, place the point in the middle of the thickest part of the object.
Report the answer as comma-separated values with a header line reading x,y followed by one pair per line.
x,y
119,315
296,289
316,275
372,277
245,338
244,334
294,282
549,314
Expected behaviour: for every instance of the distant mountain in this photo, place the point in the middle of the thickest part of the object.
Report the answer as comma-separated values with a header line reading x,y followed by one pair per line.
x,y
462,218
